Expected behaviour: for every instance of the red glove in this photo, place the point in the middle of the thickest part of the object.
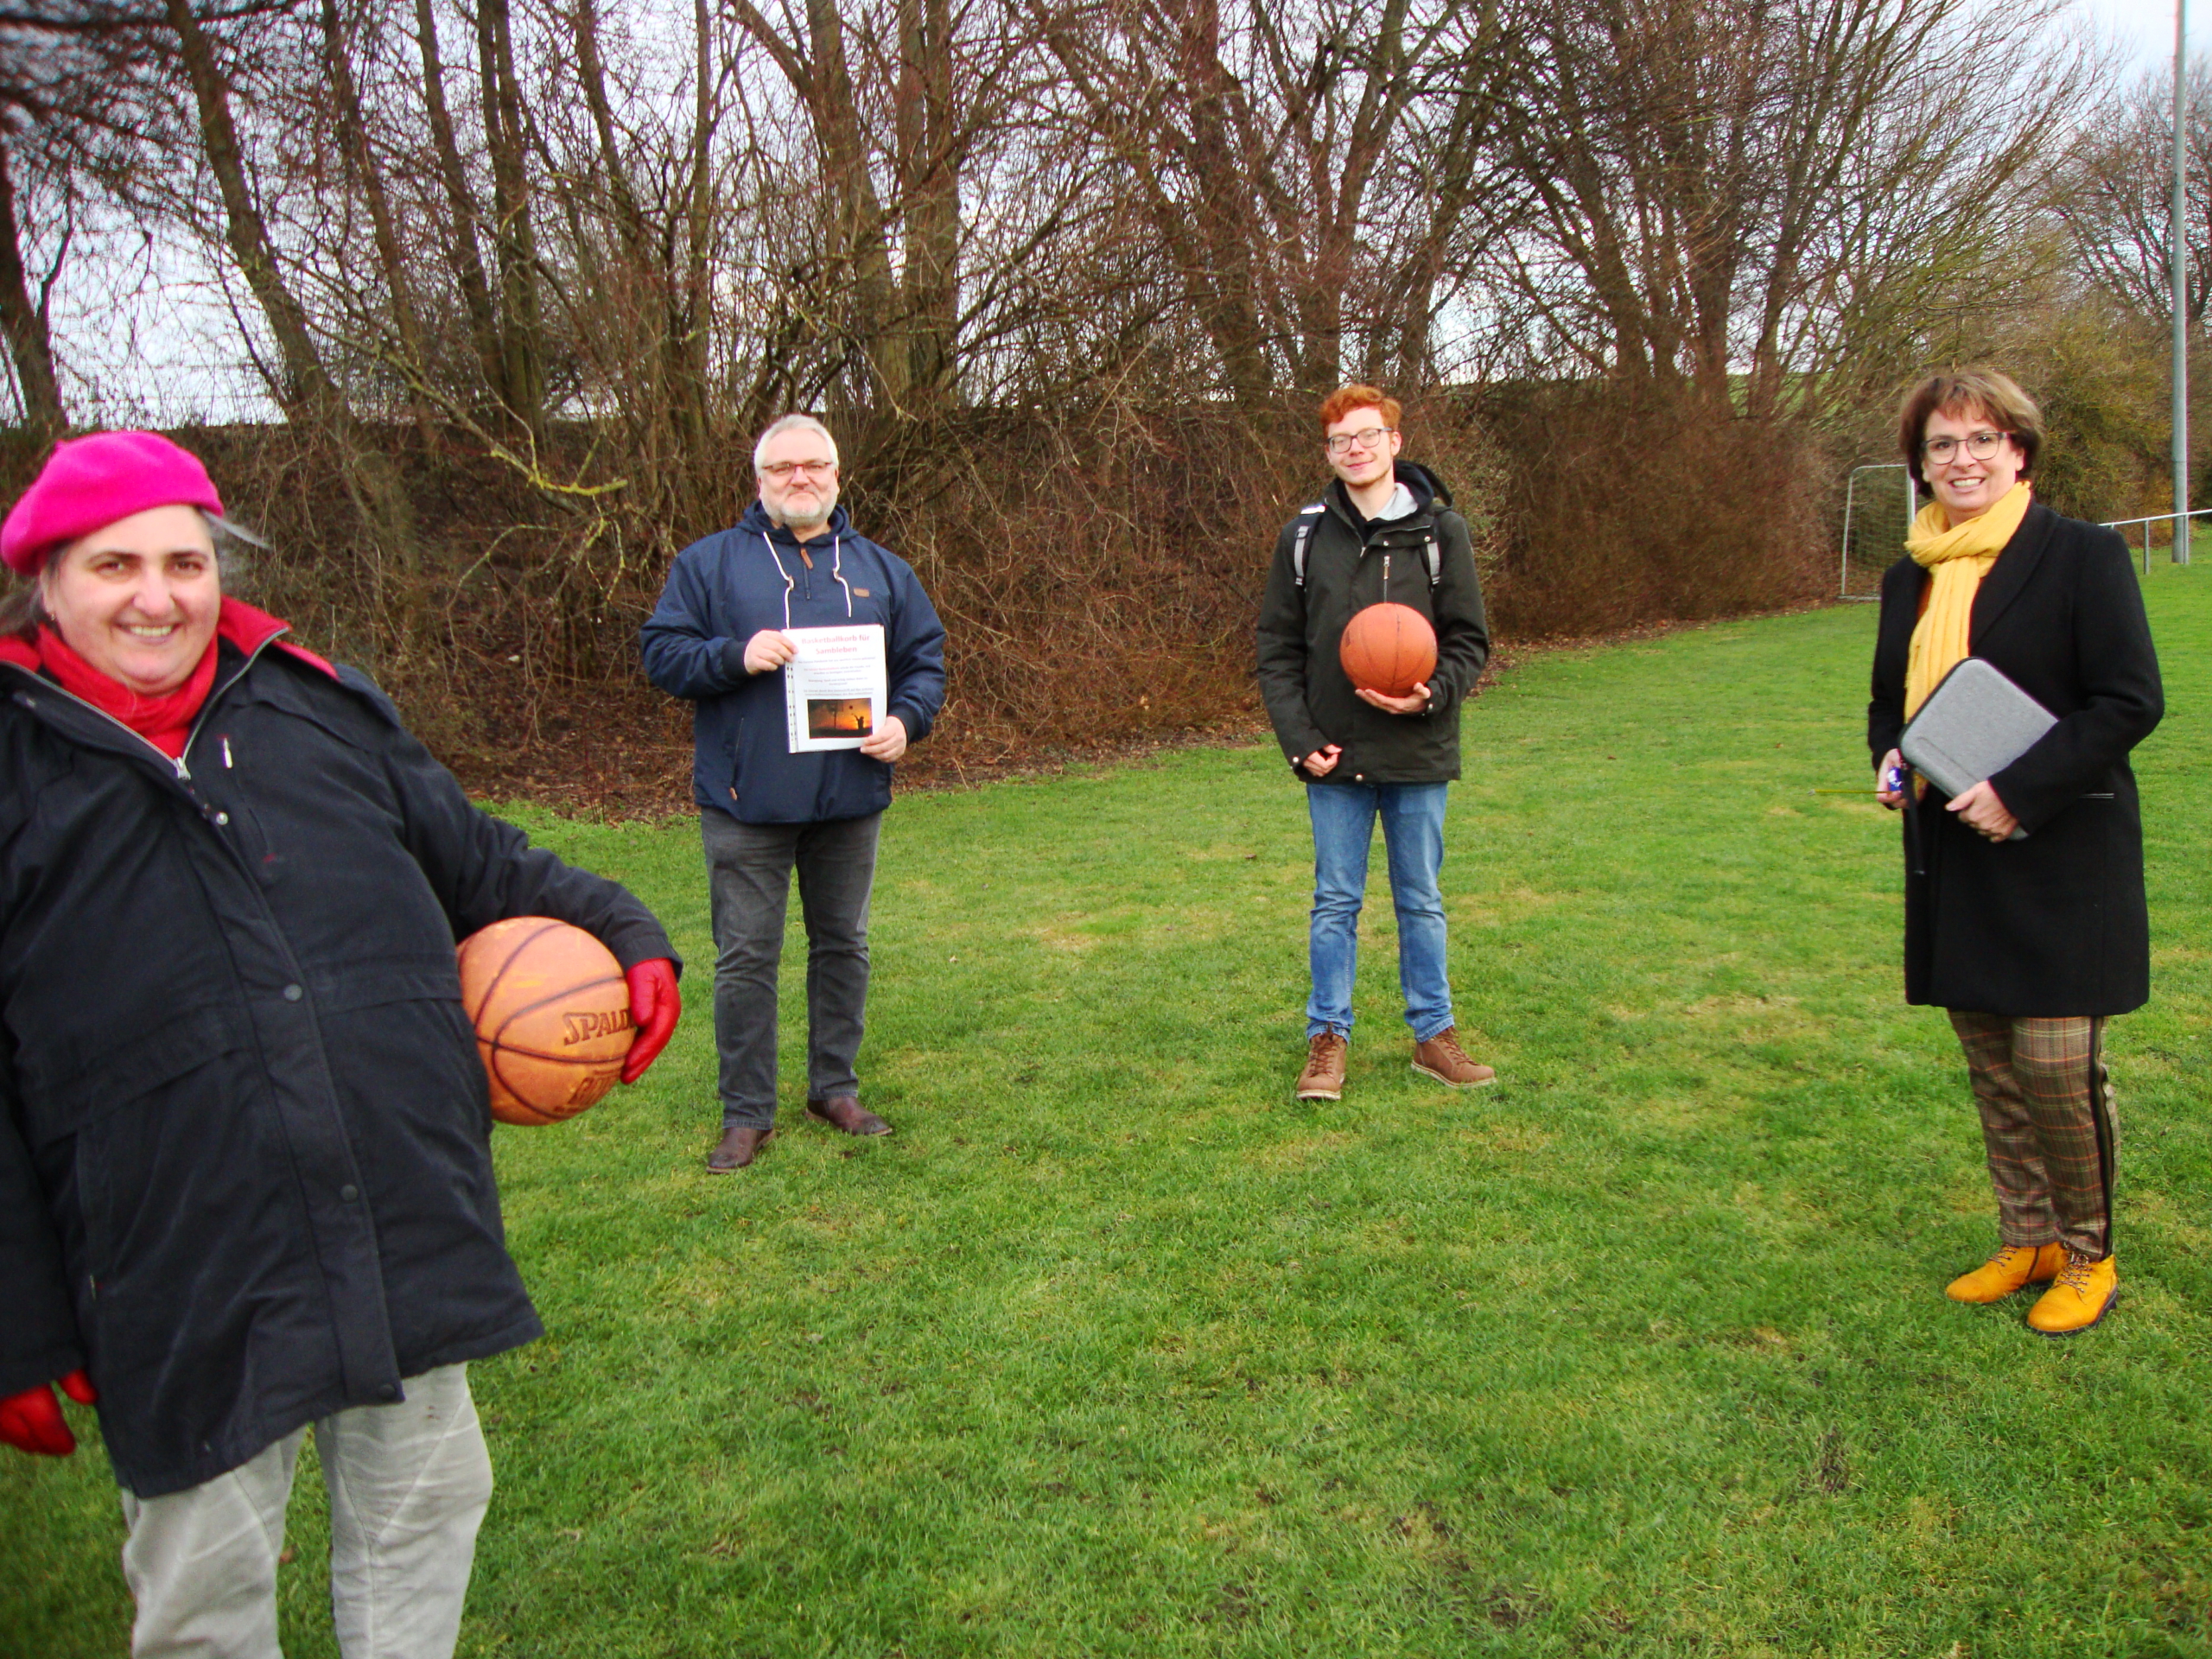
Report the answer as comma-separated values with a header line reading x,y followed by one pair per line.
x,y
32,1421
654,1007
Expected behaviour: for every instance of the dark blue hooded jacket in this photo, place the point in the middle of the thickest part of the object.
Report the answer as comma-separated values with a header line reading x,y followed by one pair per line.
x,y
725,589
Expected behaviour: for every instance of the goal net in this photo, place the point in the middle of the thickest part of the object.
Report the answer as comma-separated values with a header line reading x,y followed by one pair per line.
x,y
1878,503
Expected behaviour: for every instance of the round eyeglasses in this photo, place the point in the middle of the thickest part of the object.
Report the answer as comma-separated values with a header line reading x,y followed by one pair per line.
x,y
1340,443
1979,445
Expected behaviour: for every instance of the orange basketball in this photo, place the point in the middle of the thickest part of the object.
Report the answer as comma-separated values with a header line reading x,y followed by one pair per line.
x,y
552,1015
1388,648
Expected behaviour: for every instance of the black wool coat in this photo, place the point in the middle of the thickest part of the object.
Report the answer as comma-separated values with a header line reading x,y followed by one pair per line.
x,y
2054,925
1310,699
245,1162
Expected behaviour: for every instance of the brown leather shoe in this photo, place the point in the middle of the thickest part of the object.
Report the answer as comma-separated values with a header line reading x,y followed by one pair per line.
x,y
844,1112
736,1149
1323,1076
1442,1058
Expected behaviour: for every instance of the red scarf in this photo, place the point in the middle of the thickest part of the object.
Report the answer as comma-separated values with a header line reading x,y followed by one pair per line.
x,y
165,722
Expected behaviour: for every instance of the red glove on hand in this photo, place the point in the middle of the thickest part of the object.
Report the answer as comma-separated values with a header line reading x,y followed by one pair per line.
x,y
31,1422
654,1007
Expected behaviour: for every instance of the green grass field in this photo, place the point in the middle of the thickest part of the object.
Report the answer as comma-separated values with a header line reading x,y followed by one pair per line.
x,y
1114,1348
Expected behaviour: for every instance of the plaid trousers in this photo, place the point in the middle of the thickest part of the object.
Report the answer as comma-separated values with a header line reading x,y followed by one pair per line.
x,y
2048,1122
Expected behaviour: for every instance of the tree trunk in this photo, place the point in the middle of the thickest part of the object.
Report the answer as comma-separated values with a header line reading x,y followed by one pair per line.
x,y
930,199
857,235
467,259
522,358
354,132
688,312
1226,286
31,347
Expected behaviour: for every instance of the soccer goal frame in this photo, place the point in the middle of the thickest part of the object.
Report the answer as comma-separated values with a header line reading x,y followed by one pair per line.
x,y
1853,490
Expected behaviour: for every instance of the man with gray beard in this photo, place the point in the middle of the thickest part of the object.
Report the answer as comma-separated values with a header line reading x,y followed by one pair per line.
x,y
719,640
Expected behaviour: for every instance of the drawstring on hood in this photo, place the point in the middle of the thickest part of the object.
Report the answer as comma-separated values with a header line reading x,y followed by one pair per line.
x,y
757,520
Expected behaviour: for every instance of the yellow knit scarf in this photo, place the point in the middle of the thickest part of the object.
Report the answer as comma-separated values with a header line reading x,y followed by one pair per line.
x,y
1956,558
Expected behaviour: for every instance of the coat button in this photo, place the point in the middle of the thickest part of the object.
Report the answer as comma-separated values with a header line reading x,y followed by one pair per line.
x,y
387,1390
292,993
222,817
349,1192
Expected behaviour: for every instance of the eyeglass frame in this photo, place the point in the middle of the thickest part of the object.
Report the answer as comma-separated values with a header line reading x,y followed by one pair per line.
x,y
784,471
1368,437
1998,440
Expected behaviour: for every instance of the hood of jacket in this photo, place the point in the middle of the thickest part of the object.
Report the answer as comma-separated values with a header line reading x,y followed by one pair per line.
x,y
1428,492
757,520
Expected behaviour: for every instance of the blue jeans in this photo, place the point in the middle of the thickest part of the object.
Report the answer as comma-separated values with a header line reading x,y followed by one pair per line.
x,y
1413,836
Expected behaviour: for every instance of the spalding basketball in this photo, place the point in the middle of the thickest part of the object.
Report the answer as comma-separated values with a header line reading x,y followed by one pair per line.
x,y
552,1015
1388,648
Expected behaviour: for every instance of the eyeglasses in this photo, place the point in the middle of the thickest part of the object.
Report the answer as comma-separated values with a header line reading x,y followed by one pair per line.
x,y
781,470
1340,443
1979,445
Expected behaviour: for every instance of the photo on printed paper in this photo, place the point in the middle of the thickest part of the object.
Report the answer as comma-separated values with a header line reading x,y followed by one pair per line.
x,y
839,717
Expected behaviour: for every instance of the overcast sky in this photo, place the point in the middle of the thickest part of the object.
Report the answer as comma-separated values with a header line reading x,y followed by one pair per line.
x,y
2145,28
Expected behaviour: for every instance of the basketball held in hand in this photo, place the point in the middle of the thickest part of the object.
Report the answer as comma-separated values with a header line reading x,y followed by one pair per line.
x,y
551,1010
1388,648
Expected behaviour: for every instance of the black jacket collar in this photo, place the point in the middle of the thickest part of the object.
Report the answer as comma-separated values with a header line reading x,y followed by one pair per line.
x,y
1429,493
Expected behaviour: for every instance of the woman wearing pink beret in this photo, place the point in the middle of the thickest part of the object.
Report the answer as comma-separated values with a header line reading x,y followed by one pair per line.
x,y
245,1173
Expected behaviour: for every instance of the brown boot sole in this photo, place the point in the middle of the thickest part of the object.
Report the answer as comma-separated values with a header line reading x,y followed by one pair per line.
x,y
1479,1083
714,1169
1320,1094
2111,1302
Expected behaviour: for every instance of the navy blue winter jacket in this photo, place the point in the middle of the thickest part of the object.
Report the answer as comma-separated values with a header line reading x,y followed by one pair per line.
x,y
725,589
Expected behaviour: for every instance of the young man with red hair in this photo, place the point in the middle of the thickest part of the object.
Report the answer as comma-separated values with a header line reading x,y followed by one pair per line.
x,y
1384,530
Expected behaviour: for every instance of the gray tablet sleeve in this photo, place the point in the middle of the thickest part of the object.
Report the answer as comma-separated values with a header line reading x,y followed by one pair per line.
x,y
1973,725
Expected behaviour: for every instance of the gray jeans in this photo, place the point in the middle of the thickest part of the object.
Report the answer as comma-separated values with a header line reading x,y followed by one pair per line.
x,y
749,874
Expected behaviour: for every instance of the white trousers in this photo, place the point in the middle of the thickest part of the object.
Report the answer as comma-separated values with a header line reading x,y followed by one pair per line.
x,y
409,1485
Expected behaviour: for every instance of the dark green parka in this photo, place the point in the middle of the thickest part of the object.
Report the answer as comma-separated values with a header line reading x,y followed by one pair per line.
x,y
1309,697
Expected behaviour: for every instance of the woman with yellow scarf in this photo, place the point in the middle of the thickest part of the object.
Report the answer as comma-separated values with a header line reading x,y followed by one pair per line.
x,y
2031,944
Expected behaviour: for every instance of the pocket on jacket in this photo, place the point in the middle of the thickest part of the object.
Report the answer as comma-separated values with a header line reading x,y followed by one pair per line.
x,y
734,760
169,1160
346,987
66,1085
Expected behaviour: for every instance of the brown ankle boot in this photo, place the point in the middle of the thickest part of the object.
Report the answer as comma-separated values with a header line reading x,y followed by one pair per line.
x,y
1442,1058
1323,1076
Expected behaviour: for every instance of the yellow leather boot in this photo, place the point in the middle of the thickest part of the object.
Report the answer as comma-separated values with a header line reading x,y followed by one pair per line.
x,y
2013,1268
2085,1292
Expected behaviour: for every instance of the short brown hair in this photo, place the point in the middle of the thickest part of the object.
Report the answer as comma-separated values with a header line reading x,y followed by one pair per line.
x,y
1996,398
1344,400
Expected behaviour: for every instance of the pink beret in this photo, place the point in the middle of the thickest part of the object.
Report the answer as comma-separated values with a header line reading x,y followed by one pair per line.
x,y
93,481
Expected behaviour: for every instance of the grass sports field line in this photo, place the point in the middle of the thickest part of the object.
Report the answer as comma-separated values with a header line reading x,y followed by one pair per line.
x,y
1113,1349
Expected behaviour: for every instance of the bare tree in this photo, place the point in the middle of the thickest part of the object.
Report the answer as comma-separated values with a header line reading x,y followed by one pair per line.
x,y
1254,139
1780,191
2116,196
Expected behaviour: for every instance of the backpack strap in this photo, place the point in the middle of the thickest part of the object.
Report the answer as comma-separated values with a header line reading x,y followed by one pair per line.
x,y
1307,517
1435,561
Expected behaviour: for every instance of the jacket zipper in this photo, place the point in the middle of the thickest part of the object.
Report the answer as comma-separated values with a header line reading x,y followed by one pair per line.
x,y
177,762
